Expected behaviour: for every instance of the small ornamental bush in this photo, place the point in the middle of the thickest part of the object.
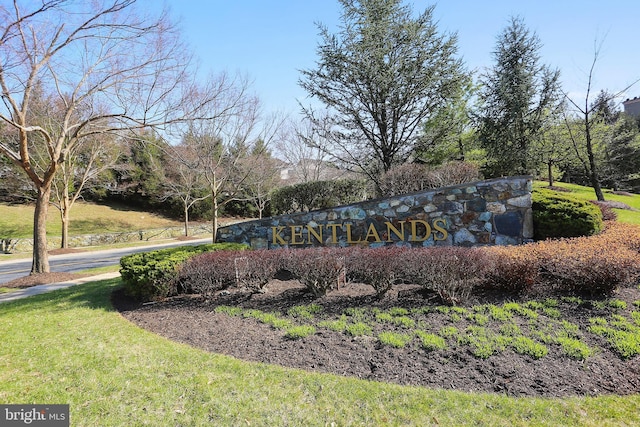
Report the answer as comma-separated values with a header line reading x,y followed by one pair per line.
x,y
211,272
154,275
586,266
515,269
319,269
378,267
452,272
559,215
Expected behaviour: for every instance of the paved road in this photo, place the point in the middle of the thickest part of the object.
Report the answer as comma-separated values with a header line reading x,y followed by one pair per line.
x,y
70,263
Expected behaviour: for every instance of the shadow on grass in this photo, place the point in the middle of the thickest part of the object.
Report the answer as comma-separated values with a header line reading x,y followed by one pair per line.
x,y
92,295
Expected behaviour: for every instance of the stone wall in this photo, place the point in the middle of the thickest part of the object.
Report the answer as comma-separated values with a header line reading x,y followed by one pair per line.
x,y
492,212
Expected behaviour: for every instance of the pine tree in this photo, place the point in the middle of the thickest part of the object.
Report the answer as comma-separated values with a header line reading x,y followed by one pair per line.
x,y
516,96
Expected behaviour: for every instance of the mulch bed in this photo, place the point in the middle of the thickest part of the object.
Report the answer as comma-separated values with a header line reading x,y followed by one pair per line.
x,y
192,320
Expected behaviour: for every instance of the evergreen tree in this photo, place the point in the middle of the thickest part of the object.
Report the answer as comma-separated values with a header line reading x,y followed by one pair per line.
x,y
516,97
379,78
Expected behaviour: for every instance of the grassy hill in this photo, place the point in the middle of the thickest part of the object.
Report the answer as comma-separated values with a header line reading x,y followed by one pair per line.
x,y
631,216
16,221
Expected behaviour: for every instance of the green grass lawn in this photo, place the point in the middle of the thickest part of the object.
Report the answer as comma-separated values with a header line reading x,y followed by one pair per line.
x,y
70,346
587,193
16,221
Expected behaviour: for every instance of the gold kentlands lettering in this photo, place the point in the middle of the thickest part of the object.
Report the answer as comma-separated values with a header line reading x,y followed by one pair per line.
x,y
443,231
334,232
349,238
311,231
419,231
392,229
276,237
296,232
415,237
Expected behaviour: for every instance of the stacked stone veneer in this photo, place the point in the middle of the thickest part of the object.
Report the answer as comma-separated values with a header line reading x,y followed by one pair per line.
x,y
492,212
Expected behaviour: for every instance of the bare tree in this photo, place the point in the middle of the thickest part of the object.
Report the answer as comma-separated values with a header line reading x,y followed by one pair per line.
x,y
301,145
111,68
263,176
233,127
589,119
185,179
83,165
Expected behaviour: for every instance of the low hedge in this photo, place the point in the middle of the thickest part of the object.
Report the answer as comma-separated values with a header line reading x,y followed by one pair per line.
x,y
557,215
595,265
152,275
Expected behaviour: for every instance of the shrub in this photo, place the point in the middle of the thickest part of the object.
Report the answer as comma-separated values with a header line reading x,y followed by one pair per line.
x,y
254,269
314,195
319,269
584,265
411,177
515,269
210,272
378,267
451,272
559,215
154,275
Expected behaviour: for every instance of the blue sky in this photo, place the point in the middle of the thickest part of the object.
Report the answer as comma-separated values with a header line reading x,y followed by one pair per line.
x,y
271,40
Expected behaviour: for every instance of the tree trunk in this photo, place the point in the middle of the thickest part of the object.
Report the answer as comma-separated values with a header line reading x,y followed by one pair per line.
x,y
186,219
593,174
64,217
549,168
214,220
40,263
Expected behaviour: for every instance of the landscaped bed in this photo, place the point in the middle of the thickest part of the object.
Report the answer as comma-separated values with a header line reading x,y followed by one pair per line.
x,y
521,347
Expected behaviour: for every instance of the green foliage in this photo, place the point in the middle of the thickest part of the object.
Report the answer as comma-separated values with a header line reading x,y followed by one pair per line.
x,y
394,339
152,275
622,335
339,325
431,342
315,195
385,62
574,348
305,311
516,93
301,331
560,215
358,329
524,345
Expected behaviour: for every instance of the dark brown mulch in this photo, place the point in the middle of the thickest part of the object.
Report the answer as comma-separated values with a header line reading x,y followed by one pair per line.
x,y
42,279
192,320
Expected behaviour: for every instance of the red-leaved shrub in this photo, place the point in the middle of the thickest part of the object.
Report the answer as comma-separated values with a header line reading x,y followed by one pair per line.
x,y
515,269
452,272
318,269
210,272
379,267
586,265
